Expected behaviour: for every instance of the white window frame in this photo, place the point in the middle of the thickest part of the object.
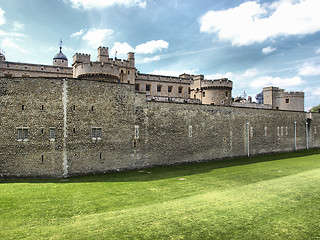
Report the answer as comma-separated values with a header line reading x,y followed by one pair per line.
x,y
23,134
52,134
96,133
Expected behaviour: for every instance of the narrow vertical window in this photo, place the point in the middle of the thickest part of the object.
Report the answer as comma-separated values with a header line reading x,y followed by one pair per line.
x,y
281,131
100,156
180,89
278,131
22,107
251,132
136,132
159,88
203,94
92,108
137,86
170,89
190,131
41,158
148,87
42,107
74,130
286,131
265,131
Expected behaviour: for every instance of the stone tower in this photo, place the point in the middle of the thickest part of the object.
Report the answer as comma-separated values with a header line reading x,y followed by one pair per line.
x,y
60,60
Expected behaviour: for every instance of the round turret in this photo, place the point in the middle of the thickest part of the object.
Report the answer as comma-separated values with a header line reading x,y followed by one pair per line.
x,y
60,60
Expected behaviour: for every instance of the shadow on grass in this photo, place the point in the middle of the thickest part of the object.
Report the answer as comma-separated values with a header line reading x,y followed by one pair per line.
x,y
164,172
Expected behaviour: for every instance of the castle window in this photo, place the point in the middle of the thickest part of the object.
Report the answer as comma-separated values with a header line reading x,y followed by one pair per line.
x,y
22,134
190,131
287,100
203,94
265,131
281,131
194,96
159,88
74,107
169,88
136,132
180,89
189,90
96,133
42,107
42,130
100,156
148,87
92,108
41,158
226,94
23,107
74,130
52,134
128,72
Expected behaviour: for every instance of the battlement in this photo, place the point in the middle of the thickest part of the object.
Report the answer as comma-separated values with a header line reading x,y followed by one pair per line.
x,y
214,83
291,94
81,58
162,78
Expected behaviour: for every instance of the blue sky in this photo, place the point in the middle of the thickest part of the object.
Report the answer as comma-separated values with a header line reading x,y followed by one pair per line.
x,y
253,43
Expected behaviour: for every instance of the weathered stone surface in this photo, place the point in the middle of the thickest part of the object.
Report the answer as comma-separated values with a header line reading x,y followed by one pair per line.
x,y
135,132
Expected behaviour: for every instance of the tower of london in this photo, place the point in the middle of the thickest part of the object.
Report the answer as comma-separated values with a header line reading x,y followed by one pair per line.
x,y
104,115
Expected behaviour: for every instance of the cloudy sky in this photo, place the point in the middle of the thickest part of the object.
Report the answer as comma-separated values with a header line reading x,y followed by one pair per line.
x,y
254,43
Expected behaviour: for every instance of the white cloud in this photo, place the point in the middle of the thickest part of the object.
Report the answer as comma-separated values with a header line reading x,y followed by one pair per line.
x,y
9,43
96,37
144,48
2,19
151,59
121,48
318,51
251,72
268,50
252,22
18,26
98,4
309,69
77,34
312,91
228,75
151,46
265,81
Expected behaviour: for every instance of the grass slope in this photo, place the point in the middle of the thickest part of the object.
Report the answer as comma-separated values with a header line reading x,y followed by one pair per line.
x,y
264,197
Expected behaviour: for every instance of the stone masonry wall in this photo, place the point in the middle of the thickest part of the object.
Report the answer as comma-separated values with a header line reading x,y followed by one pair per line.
x,y
135,133
34,104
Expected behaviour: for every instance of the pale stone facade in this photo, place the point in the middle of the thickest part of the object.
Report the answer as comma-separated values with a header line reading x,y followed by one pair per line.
x,y
279,99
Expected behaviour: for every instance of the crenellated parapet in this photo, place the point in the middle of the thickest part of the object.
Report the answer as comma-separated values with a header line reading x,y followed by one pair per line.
x,y
214,92
279,99
105,68
81,58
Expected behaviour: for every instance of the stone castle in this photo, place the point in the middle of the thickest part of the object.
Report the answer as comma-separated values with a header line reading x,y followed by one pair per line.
x,y
102,116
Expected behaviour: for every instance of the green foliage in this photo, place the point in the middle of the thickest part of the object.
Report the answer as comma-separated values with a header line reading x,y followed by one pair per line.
x,y
315,109
264,197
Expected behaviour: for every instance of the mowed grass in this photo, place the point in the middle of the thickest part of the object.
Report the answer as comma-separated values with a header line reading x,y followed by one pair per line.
x,y
263,197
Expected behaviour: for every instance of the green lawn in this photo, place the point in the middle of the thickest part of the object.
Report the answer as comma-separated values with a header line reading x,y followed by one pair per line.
x,y
264,197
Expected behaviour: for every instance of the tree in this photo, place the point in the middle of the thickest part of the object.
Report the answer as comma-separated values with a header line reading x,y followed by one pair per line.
x,y
315,109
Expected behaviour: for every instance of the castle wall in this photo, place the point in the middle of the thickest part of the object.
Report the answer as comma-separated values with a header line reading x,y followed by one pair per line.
x,y
14,69
153,81
135,133
35,105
